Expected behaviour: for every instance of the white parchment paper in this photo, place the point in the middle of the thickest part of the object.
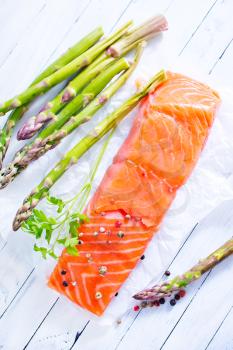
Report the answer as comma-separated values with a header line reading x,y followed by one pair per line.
x,y
206,188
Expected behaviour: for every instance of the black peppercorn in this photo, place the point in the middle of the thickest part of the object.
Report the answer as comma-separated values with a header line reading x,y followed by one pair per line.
x,y
65,284
172,302
63,272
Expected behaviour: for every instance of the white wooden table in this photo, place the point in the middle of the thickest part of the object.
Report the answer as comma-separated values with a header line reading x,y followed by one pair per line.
x,y
31,316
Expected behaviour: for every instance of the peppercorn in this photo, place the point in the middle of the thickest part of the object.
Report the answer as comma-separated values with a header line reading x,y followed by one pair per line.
x,y
167,273
103,270
177,296
116,294
118,224
120,234
182,293
65,284
142,257
136,308
162,301
172,302
98,295
63,272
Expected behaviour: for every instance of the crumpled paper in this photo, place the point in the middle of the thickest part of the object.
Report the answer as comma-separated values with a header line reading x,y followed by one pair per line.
x,y
207,187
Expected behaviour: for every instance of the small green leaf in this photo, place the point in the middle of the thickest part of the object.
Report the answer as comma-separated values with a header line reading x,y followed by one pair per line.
x,y
40,215
73,241
48,234
52,200
62,241
42,250
72,250
73,228
56,201
83,218
52,254
60,207
52,220
38,232
67,242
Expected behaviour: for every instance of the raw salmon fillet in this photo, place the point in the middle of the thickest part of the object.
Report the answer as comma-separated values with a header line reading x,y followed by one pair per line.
x,y
162,148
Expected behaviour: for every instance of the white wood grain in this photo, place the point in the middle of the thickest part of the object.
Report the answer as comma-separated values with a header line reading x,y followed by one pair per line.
x,y
37,44
214,300
223,68
200,35
223,334
211,38
15,23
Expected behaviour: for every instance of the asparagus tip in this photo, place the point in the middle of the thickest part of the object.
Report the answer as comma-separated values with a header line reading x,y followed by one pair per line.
x,y
69,93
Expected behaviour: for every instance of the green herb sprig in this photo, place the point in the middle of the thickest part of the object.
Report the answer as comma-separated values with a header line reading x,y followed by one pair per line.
x,y
62,230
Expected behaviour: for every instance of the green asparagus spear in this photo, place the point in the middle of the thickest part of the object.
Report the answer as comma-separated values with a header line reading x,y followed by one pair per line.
x,y
121,47
166,289
43,142
77,151
63,73
145,31
48,114
148,29
76,50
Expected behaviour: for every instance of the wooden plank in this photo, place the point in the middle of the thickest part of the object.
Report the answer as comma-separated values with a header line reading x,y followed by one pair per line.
x,y
180,324
16,23
222,69
208,43
201,313
223,335
19,317
53,330
32,52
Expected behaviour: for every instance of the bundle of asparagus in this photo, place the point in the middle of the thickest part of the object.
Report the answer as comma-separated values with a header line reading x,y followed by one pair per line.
x,y
147,30
75,51
52,135
63,73
81,96
168,288
77,151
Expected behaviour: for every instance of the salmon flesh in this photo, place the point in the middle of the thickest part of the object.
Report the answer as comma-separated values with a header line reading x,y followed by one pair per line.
x,y
159,154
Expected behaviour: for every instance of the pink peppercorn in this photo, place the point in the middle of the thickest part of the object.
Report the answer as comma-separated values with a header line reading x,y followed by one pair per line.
x,y
182,293
118,224
136,308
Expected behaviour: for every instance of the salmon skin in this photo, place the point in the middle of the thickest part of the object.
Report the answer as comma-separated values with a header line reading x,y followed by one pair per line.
x,y
164,144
